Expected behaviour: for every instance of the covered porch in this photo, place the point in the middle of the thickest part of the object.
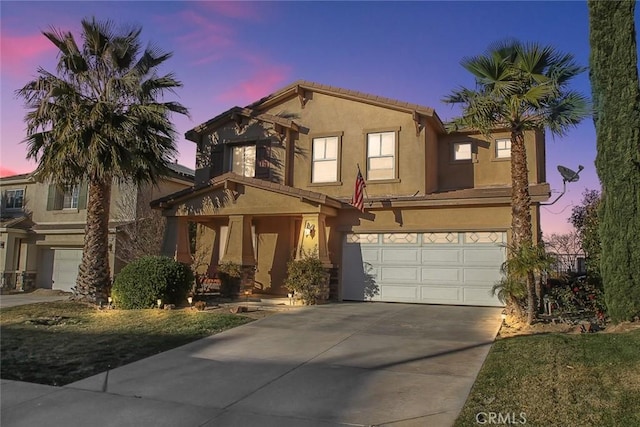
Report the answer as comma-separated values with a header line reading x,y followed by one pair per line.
x,y
255,224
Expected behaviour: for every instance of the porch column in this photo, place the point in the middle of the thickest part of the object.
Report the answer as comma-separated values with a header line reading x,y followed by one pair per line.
x,y
206,236
239,249
176,240
313,237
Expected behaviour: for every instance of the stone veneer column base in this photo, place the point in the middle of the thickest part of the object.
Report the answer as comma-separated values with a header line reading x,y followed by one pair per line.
x,y
247,279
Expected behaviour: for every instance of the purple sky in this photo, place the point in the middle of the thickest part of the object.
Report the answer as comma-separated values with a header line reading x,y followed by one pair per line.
x,y
229,54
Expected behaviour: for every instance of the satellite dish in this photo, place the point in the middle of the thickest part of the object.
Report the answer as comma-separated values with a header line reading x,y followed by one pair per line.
x,y
568,175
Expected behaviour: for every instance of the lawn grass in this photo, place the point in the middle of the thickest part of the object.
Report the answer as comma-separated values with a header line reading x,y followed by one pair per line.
x,y
57,343
560,380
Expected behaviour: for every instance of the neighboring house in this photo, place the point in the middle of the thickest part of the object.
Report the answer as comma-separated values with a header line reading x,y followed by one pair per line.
x,y
274,180
42,227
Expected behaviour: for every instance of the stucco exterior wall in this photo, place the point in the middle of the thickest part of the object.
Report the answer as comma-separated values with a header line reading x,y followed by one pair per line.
x,y
485,169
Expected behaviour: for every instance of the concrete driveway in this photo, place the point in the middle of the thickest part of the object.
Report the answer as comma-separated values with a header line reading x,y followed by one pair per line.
x,y
355,364
12,300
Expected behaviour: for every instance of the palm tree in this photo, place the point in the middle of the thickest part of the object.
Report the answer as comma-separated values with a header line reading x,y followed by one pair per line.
x,y
100,118
520,87
524,263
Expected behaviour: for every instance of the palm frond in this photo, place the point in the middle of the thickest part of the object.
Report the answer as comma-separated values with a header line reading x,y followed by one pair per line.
x,y
104,115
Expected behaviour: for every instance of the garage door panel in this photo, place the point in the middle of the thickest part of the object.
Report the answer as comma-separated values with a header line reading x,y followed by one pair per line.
x,y
433,256
399,292
403,274
65,268
476,295
483,256
400,256
441,294
370,255
481,275
440,275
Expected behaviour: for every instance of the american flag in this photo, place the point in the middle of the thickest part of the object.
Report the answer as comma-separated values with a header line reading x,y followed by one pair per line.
x,y
358,194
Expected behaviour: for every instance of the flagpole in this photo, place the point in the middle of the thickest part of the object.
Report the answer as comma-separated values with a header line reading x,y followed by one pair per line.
x,y
365,187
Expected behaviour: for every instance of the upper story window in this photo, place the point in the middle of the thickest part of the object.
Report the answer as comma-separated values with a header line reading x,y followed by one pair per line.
x,y
325,159
13,199
243,160
381,155
67,198
503,148
462,151
70,197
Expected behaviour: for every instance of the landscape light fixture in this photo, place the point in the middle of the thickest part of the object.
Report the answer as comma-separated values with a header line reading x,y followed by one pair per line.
x,y
568,175
159,302
110,301
309,229
190,300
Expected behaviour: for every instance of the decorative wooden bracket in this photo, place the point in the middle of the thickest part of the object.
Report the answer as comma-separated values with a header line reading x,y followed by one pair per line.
x,y
301,96
416,120
238,119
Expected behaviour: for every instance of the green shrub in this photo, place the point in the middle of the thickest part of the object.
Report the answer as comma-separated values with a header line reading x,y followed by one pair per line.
x,y
142,282
307,277
579,295
230,274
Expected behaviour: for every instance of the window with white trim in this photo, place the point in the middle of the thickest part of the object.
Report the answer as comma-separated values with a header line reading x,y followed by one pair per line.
x,y
381,155
70,197
503,148
461,151
243,160
325,160
14,199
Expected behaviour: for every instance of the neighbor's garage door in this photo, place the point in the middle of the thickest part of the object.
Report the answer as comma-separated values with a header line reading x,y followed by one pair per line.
x,y
65,268
435,268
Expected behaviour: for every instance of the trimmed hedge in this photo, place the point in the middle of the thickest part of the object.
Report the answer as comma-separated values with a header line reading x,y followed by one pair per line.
x,y
143,281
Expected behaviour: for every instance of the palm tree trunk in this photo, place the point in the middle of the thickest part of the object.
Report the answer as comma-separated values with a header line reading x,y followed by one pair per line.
x,y
94,278
520,198
521,210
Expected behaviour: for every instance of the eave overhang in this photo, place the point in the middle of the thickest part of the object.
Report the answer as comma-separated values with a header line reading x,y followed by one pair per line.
x,y
229,180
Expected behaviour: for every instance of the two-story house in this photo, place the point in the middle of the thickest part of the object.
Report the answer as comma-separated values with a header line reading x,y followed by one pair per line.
x,y
42,227
274,180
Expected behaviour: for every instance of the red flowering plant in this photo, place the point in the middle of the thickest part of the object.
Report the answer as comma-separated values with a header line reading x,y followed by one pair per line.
x,y
580,295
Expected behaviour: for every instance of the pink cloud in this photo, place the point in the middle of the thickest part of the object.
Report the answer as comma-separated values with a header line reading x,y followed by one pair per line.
x,y
205,36
267,79
4,172
19,53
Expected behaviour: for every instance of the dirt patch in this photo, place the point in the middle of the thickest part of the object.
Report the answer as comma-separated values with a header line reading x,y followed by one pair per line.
x,y
515,327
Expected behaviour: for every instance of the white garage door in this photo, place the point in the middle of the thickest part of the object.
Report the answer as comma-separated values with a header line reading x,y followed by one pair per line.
x,y
434,268
65,268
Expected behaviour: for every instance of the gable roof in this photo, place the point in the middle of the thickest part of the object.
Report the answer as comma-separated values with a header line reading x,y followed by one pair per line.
x,y
230,177
298,88
235,114
182,170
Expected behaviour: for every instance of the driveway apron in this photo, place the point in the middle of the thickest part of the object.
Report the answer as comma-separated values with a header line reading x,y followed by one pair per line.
x,y
338,364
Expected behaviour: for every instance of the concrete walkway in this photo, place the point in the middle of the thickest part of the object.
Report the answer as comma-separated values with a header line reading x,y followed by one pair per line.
x,y
355,364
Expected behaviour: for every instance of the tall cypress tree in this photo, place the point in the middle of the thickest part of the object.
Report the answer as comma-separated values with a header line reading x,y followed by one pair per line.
x,y
616,99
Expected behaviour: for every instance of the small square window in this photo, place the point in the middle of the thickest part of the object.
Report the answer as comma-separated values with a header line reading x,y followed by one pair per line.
x,y
462,151
503,148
